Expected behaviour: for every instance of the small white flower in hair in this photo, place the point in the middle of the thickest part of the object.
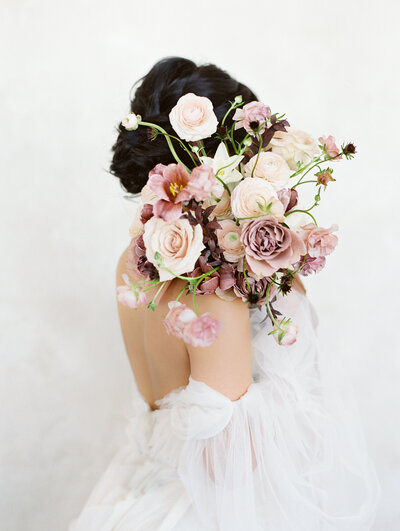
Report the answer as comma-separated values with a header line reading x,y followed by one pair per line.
x,y
131,122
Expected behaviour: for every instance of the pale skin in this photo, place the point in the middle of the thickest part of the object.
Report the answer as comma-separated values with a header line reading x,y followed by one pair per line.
x,y
161,362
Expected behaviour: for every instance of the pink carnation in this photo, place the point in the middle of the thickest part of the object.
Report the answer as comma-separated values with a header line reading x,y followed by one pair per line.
x,y
252,116
202,181
330,146
203,331
311,265
177,318
130,297
320,241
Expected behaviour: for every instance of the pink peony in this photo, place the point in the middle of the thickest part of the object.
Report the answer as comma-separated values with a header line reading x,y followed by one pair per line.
x,y
311,265
252,116
130,297
270,246
319,241
290,335
169,183
330,146
177,318
202,331
201,183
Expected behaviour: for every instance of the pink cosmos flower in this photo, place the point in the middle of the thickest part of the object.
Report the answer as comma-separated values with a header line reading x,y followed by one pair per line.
x,y
201,183
129,297
177,318
202,331
252,116
319,241
330,146
290,336
169,183
311,265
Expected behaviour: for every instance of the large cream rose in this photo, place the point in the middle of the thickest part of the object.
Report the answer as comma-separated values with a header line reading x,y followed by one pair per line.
x,y
193,117
252,197
271,167
178,242
294,146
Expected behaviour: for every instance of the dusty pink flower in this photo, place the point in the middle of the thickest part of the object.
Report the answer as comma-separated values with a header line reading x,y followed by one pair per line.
x,y
319,241
169,183
330,146
311,265
130,297
288,198
193,117
177,318
270,246
201,182
229,240
290,335
252,116
324,177
202,331
222,279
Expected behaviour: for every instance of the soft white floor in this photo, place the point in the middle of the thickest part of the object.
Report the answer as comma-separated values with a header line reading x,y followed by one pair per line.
x,y
66,71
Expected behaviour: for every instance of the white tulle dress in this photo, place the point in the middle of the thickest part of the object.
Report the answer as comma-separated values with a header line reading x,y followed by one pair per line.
x,y
289,455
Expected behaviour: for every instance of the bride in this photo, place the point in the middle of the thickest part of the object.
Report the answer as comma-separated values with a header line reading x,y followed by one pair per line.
x,y
242,434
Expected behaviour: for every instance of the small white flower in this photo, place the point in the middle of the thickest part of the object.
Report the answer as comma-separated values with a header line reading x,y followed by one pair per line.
x,y
238,99
224,167
132,121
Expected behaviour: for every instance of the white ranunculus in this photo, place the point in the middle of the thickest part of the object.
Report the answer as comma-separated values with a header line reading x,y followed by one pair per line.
x,y
271,167
193,118
294,146
297,220
178,242
252,197
224,167
131,122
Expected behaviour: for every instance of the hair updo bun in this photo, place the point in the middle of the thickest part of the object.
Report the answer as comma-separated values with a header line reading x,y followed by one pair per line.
x,y
134,153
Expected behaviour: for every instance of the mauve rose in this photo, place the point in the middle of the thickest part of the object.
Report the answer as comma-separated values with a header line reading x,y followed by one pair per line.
x,y
271,167
229,240
178,242
203,331
251,290
250,193
252,116
311,265
319,241
290,336
270,246
330,146
201,183
193,118
177,318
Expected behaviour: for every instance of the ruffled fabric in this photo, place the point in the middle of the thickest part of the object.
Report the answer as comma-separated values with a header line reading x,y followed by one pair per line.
x,y
289,455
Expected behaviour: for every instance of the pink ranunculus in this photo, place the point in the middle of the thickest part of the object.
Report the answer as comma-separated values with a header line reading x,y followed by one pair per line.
x,y
290,334
330,146
177,318
130,297
319,241
202,331
269,246
311,265
252,116
169,183
201,183
193,117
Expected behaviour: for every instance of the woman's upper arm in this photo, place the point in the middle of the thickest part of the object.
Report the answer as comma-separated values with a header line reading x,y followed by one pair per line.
x,y
226,364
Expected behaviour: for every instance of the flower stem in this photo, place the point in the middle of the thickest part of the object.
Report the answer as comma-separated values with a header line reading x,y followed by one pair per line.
x,y
168,139
305,212
258,153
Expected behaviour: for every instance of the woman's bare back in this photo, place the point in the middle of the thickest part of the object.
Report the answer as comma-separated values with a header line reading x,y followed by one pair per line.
x,y
161,363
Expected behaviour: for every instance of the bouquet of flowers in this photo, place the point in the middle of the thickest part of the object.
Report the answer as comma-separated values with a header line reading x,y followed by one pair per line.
x,y
232,224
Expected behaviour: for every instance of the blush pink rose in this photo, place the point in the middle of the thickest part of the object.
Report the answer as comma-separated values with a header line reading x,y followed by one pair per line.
x,y
319,241
130,296
290,335
252,116
202,331
193,118
177,318
269,246
330,146
201,182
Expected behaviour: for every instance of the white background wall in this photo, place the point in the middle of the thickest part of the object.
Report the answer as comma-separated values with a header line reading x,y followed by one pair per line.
x,y
66,71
